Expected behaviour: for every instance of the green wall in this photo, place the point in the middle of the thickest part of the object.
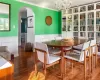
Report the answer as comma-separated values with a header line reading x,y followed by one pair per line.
x,y
40,15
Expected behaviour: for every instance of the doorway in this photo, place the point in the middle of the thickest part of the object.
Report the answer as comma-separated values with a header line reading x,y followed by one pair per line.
x,y
26,29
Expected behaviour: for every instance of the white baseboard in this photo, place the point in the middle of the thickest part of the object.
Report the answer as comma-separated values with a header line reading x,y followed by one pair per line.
x,y
12,43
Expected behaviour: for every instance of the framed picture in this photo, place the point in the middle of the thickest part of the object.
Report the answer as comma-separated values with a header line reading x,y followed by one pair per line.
x,y
48,20
30,22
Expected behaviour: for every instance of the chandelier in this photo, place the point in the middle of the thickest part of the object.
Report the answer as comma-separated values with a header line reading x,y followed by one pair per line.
x,y
63,5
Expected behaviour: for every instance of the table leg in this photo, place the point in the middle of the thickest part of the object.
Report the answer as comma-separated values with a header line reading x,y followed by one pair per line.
x,y
62,64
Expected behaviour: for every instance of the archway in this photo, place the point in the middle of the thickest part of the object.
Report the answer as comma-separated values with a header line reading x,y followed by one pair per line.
x,y
26,29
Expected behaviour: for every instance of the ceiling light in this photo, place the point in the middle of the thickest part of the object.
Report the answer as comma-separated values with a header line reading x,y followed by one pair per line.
x,y
63,5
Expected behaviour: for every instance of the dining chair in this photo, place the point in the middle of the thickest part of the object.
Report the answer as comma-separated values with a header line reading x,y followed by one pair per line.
x,y
43,55
94,51
79,57
78,48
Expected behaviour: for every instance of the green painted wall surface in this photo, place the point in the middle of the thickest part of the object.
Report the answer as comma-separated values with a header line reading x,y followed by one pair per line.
x,y
40,15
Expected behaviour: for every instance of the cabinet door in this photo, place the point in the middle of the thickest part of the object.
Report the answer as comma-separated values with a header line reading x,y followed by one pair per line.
x,y
69,22
90,7
75,23
90,21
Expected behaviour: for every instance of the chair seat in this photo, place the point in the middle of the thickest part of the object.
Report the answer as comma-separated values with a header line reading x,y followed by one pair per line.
x,y
68,48
77,51
79,47
53,58
54,51
73,56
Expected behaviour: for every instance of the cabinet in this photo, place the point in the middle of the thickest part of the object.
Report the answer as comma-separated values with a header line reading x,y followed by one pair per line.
x,y
85,21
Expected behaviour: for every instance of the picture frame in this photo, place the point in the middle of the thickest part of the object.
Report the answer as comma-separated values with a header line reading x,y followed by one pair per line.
x,y
48,20
30,22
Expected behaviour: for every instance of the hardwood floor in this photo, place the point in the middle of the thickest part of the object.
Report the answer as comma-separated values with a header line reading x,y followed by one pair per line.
x,y
24,64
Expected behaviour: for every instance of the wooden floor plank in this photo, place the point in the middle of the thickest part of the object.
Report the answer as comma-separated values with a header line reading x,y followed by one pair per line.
x,y
24,64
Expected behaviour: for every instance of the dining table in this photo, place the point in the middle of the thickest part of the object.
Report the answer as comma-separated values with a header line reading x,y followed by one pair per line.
x,y
61,44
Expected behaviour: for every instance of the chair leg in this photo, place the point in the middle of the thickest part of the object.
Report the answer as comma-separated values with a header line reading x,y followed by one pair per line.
x,y
92,63
95,60
44,69
72,66
85,68
65,65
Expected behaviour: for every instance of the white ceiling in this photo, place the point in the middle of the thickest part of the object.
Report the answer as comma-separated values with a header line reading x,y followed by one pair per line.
x,y
51,3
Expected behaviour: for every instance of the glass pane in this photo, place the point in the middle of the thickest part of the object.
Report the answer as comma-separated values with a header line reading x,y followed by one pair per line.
x,y
91,7
98,17
98,37
64,23
98,21
69,11
82,9
75,28
69,23
90,34
98,28
75,22
98,34
75,34
82,34
75,10
90,21
82,22
76,19
98,6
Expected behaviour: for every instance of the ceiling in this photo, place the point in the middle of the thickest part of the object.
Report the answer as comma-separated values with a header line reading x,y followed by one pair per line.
x,y
51,3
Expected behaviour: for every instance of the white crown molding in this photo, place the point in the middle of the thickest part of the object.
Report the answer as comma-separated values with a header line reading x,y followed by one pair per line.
x,y
35,5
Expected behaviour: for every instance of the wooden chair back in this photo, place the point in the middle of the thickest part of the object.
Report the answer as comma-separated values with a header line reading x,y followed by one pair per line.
x,y
93,46
85,50
42,52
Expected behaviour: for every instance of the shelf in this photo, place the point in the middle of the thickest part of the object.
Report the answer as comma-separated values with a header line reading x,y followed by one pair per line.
x,y
82,25
75,25
90,37
91,18
90,31
75,31
97,24
82,31
75,19
90,25
82,19
97,17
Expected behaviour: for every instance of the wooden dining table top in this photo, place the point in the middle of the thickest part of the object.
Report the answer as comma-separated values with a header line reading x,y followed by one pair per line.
x,y
62,43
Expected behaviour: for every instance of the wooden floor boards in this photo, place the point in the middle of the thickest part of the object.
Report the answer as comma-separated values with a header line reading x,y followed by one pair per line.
x,y
24,64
